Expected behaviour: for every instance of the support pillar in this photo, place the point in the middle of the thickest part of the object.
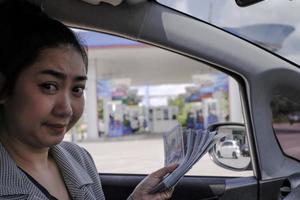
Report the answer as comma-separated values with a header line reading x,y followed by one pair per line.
x,y
91,101
235,106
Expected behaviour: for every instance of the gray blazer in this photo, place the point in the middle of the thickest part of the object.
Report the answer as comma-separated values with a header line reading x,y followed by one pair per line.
x,y
75,164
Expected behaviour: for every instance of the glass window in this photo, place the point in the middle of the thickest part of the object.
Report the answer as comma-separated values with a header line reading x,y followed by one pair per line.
x,y
227,144
286,124
141,92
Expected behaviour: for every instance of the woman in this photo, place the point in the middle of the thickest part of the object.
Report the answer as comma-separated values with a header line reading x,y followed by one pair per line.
x,y
43,74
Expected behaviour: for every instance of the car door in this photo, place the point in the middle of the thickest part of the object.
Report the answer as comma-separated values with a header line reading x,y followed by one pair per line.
x,y
261,77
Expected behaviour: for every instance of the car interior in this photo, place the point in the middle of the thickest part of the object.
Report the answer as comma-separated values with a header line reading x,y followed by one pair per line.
x,y
254,69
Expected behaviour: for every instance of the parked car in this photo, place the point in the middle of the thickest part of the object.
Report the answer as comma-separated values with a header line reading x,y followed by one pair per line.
x,y
229,149
294,117
258,46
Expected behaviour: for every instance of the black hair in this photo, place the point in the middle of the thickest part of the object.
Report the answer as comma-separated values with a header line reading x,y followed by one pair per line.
x,y
25,32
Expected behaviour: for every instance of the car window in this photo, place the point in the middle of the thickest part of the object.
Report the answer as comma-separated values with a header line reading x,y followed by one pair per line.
x,y
286,124
227,144
136,93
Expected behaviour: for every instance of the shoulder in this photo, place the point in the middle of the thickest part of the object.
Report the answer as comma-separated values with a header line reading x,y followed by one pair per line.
x,y
78,161
78,153
70,146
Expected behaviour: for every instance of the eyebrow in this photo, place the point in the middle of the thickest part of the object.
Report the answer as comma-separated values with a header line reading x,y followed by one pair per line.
x,y
60,75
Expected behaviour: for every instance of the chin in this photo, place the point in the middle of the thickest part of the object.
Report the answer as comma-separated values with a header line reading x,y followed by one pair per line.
x,y
51,138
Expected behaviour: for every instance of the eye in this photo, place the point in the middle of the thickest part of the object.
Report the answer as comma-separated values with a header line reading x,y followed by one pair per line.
x,y
78,90
50,88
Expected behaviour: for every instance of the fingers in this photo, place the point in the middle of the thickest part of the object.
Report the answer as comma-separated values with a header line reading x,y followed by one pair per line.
x,y
163,171
142,191
167,194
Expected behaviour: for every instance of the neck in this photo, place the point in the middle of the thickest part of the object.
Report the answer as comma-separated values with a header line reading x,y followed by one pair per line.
x,y
25,155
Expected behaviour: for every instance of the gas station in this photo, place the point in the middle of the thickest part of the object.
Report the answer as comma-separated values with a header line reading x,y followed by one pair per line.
x,y
133,83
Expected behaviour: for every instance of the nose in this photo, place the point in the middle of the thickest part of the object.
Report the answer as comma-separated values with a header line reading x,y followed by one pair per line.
x,y
63,107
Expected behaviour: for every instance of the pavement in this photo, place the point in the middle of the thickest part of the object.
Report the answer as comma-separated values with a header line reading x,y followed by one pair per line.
x,y
142,154
134,136
289,138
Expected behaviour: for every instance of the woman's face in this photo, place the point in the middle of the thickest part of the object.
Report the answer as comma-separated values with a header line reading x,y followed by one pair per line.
x,y
47,99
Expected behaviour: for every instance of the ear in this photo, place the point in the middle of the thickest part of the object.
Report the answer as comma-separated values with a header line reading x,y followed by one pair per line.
x,y
2,84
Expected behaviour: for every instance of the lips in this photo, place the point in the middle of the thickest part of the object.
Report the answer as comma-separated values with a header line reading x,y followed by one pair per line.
x,y
56,127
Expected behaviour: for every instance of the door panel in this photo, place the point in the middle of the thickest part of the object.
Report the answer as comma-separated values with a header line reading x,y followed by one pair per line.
x,y
286,188
240,188
119,187
271,189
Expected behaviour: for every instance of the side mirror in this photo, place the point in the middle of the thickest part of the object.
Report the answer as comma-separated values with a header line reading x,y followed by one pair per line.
x,y
232,150
244,3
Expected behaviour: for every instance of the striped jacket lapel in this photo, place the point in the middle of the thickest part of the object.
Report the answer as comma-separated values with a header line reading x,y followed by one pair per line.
x,y
75,177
